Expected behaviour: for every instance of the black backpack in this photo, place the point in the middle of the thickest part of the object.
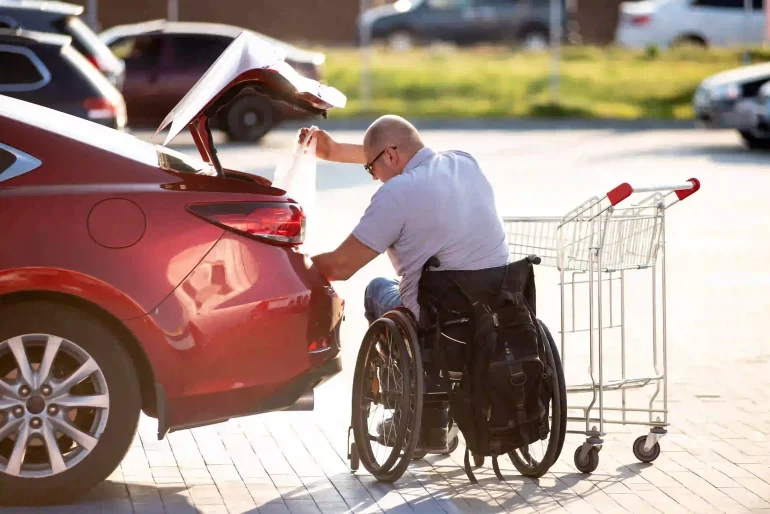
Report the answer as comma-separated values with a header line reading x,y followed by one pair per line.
x,y
501,403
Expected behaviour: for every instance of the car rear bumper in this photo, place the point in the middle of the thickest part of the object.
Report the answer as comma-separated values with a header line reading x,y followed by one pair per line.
x,y
246,325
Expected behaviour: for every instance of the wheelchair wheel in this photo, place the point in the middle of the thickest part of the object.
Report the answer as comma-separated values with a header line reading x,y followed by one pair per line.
x,y
536,459
388,378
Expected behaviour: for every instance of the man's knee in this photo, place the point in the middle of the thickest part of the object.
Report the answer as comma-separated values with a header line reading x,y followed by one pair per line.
x,y
377,285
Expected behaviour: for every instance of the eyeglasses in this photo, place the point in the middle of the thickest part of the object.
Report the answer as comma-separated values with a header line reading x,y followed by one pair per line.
x,y
370,167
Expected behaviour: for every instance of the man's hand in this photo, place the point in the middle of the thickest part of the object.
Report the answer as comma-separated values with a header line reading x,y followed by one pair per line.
x,y
345,261
324,142
329,150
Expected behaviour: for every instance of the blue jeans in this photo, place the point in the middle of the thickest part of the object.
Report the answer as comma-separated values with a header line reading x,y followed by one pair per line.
x,y
381,295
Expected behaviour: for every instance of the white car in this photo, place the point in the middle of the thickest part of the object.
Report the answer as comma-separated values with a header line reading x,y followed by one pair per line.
x,y
665,23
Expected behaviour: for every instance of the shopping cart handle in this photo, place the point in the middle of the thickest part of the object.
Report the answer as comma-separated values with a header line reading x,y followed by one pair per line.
x,y
624,190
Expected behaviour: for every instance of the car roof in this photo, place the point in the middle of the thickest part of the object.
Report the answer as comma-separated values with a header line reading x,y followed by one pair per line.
x,y
79,129
43,5
22,37
161,26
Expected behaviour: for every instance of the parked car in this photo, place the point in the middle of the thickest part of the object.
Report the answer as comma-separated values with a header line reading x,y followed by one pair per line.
x,y
729,100
140,278
666,23
461,22
62,18
45,69
165,59
760,128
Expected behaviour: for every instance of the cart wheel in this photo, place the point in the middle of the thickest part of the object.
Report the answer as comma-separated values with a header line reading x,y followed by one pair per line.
x,y
355,460
419,454
453,444
478,460
589,463
645,456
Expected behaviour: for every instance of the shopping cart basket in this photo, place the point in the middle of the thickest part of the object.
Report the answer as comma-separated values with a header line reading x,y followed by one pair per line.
x,y
595,246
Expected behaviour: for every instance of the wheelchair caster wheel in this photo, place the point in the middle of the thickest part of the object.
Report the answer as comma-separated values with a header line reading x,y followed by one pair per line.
x,y
355,461
478,460
645,455
589,463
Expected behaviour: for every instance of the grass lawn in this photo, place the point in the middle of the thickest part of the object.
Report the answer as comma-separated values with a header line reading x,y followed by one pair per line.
x,y
499,83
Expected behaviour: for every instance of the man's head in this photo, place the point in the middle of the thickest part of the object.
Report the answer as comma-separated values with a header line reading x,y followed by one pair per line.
x,y
390,142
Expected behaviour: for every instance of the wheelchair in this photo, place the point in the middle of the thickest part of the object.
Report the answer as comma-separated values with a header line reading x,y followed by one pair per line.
x,y
392,368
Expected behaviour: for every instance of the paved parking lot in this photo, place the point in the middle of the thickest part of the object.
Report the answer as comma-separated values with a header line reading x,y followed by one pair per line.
x,y
717,455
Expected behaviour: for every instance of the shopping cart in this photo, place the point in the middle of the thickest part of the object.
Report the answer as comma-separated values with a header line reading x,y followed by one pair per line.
x,y
595,246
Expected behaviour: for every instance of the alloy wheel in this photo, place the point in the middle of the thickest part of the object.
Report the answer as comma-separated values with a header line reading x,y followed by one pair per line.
x,y
54,405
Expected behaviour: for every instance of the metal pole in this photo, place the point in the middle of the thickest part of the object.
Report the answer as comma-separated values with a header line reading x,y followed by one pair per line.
x,y
93,15
556,36
747,8
172,10
365,36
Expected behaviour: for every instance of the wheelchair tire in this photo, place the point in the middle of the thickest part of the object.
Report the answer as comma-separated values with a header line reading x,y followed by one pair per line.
x,y
558,429
409,399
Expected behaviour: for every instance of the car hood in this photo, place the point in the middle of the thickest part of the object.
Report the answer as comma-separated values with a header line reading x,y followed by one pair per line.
x,y
249,61
738,75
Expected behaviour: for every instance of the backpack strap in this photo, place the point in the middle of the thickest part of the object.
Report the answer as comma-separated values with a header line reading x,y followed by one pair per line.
x,y
497,468
468,470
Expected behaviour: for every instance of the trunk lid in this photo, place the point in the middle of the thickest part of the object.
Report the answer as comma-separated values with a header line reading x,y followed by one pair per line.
x,y
249,62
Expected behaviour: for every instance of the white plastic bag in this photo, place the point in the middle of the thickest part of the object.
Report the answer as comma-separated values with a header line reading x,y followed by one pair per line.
x,y
297,176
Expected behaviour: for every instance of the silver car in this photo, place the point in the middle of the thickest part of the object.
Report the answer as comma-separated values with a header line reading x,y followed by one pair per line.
x,y
730,100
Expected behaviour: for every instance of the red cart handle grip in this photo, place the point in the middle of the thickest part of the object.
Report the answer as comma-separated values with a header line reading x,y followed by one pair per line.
x,y
624,190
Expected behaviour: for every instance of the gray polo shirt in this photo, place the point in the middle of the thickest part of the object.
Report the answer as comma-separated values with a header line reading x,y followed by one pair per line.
x,y
442,205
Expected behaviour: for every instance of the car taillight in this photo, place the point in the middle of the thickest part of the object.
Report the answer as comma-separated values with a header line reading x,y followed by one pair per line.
x,y
282,223
641,19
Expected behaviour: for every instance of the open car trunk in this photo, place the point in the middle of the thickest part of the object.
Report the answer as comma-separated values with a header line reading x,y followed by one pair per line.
x,y
249,62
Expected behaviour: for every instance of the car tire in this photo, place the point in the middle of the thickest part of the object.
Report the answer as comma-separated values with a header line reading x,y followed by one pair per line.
x,y
249,118
753,142
691,40
535,39
87,408
401,40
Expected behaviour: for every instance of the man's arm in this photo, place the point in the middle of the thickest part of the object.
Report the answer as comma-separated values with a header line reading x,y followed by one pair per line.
x,y
347,152
345,261
330,150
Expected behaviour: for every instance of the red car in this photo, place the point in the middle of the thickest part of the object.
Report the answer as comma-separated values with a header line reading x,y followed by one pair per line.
x,y
133,277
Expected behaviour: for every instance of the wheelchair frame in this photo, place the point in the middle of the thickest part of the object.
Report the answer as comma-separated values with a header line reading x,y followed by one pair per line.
x,y
411,341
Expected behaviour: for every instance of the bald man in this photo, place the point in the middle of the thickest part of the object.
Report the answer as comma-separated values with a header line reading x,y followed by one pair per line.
x,y
430,204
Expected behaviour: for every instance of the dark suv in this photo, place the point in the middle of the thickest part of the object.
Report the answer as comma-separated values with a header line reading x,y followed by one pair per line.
x,y
63,18
165,59
44,69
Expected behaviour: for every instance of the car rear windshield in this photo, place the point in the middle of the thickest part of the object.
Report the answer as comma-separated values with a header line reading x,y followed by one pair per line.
x,y
172,160
88,43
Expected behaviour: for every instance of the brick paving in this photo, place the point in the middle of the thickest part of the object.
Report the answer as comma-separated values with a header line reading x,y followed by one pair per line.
x,y
716,458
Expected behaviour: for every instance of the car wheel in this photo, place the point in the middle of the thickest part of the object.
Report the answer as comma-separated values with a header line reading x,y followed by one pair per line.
x,y
690,40
535,40
401,40
70,403
249,118
753,142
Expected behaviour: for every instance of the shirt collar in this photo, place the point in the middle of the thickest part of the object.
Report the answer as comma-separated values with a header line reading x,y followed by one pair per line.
x,y
418,158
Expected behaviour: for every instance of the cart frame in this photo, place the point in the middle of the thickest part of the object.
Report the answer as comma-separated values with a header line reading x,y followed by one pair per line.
x,y
600,239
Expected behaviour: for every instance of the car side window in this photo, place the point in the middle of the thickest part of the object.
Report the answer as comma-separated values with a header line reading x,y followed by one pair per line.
x,y
14,162
723,4
201,50
6,159
450,4
140,52
22,70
